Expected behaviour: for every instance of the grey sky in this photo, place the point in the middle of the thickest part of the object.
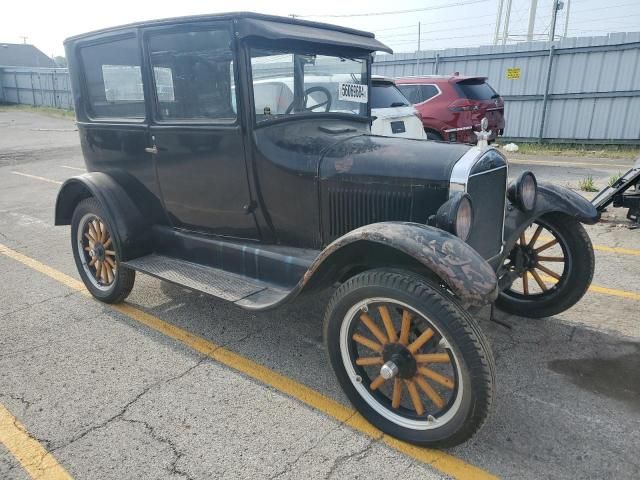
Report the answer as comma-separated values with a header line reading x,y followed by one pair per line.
x,y
461,23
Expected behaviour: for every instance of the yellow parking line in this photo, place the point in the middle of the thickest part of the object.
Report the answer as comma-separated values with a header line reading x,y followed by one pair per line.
x,y
600,248
33,457
437,459
563,163
598,289
623,251
37,177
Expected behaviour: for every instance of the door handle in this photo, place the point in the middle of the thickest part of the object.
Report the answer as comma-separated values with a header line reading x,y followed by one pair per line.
x,y
152,150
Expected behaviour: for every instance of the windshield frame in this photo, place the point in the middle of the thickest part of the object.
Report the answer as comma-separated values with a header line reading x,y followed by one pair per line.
x,y
306,49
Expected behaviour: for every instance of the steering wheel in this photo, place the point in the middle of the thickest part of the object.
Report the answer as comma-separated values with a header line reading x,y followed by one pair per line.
x,y
326,104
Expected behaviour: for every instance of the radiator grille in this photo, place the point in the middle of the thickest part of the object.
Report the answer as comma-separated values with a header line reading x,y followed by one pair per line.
x,y
487,191
350,208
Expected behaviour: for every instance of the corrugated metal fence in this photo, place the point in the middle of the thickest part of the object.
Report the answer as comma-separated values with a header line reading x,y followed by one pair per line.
x,y
593,86
591,94
42,87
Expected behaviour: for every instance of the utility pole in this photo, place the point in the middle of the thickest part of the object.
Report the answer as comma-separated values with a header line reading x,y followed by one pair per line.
x,y
507,18
496,35
418,52
24,39
532,20
566,19
557,6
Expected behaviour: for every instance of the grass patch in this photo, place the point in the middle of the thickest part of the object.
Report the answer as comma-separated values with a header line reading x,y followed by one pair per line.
x,y
587,184
50,111
595,151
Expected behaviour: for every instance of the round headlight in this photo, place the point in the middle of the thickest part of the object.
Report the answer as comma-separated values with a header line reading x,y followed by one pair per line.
x,y
456,216
524,191
464,217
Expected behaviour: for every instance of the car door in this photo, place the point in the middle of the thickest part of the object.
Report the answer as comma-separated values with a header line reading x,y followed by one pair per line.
x,y
196,135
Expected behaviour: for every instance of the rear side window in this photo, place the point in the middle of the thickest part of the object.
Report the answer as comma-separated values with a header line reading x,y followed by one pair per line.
x,y
418,93
475,89
386,95
193,74
114,79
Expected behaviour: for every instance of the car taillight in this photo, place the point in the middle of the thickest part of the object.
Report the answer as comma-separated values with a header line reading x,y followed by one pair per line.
x,y
463,105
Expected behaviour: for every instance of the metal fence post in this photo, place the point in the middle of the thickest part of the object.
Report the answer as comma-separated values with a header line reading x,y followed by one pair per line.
x,y
435,64
15,80
33,90
53,85
545,99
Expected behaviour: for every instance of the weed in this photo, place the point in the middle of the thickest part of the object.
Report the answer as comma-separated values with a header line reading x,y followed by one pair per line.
x,y
587,184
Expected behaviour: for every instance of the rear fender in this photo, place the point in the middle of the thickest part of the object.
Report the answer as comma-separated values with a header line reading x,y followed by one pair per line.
x,y
551,199
132,233
454,262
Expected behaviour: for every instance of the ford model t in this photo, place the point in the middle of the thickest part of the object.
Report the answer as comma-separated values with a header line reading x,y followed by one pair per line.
x,y
204,170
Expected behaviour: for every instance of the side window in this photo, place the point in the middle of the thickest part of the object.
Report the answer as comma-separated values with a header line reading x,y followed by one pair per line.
x,y
412,92
193,74
429,91
114,79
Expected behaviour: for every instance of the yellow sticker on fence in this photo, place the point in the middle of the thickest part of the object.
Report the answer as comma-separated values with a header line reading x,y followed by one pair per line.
x,y
513,73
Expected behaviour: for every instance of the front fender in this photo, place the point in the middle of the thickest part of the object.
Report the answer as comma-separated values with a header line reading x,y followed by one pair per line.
x,y
132,232
551,199
458,265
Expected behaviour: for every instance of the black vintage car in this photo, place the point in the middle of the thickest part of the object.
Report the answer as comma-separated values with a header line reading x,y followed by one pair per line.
x,y
204,170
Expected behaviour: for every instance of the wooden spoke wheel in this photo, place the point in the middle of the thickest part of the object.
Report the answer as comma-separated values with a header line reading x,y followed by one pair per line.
x,y
411,361
550,268
98,251
541,260
402,360
96,255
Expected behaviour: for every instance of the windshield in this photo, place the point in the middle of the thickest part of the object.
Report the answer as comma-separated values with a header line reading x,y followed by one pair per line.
x,y
287,83
387,95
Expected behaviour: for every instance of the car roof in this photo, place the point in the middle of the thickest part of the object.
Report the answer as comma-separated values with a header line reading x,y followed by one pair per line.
x,y
438,78
249,24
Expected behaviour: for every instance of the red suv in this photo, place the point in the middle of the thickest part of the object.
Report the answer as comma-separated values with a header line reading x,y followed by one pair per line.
x,y
452,106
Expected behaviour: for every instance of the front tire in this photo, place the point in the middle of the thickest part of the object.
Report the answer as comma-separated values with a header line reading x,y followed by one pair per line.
x,y
96,255
442,388
557,264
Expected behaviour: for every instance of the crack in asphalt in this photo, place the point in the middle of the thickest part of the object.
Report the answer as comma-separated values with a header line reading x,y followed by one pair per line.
x,y
339,460
359,455
125,408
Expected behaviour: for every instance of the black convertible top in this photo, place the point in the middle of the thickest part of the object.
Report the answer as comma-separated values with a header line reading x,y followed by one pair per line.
x,y
249,24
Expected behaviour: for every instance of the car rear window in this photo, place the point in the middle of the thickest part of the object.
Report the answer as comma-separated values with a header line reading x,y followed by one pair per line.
x,y
475,89
386,95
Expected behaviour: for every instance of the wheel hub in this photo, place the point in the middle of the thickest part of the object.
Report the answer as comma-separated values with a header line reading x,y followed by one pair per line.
x,y
398,355
98,252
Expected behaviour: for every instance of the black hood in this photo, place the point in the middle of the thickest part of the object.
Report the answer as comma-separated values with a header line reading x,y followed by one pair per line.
x,y
393,159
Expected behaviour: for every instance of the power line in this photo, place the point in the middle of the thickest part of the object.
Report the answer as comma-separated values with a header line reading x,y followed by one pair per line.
x,y
394,12
448,29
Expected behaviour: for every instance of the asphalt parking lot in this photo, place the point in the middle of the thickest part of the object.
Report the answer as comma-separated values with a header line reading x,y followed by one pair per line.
x,y
174,384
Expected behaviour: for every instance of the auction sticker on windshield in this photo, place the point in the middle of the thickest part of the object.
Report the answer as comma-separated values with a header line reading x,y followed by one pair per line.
x,y
353,92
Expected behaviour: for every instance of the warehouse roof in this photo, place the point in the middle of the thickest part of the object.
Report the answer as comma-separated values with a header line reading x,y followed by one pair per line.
x,y
23,55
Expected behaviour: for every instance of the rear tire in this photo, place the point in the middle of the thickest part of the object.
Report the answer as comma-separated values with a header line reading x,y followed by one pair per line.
x,y
457,351
96,255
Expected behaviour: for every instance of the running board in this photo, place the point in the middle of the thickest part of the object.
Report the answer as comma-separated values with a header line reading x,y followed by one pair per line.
x,y
245,292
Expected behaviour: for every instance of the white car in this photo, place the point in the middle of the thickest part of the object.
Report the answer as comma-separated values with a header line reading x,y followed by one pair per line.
x,y
393,114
